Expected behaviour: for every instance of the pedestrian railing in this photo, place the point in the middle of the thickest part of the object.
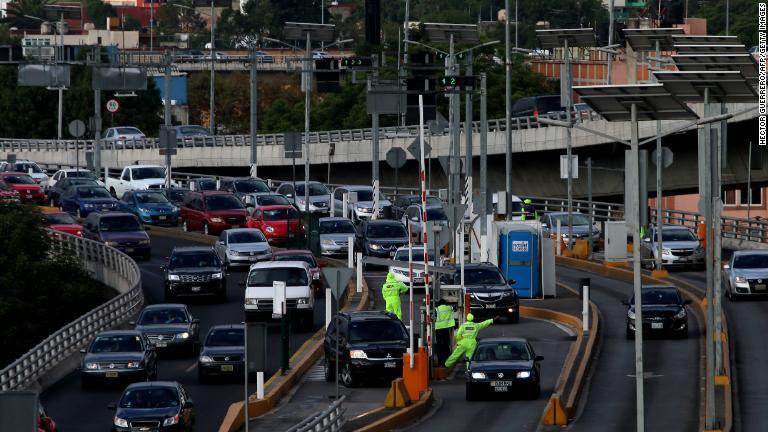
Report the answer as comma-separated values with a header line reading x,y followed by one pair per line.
x,y
330,420
105,264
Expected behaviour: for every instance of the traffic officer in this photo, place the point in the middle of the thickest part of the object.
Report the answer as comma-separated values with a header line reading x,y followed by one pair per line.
x,y
391,292
444,324
466,339
529,210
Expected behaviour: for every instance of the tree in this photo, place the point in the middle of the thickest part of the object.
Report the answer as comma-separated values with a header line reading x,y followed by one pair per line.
x,y
242,30
742,19
18,12
98,11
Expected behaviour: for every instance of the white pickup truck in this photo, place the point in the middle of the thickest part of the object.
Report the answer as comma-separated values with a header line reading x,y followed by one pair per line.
x,y
260,293
136,177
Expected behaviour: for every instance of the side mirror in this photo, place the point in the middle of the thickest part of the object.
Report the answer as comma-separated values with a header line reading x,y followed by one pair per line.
x,y
219,242
288,195
538,358
163,267
511,282
112,406
544,225
625,302
647,239
147,228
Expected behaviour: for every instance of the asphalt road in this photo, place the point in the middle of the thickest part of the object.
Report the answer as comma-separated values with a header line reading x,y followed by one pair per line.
x,y
83,411
671,367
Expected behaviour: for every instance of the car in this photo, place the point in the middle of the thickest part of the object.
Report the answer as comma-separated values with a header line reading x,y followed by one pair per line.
x,y
62,222
169,327
664,312
241,186
503,366
534,106
222,353
217,55
516,206
371,345
194,271
154,406
118,356
212,212
581,111
319,54
363,207
261,199
242,247
680,247
279,223
412,217
380,238
405,201
746,274
307,257
151,207
119,230
175,195
63,184
490,293
260,292
29,191
335,233
8,195
73,173
319,196
123,134
581,227
27,167
263,57
84,199
137,177
45,422
401,272
191,131
203,184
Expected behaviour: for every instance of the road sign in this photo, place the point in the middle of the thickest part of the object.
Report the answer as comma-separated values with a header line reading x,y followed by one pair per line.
x,y
113,105
396,157
337,278
455,213
279,298
256,346
414,149
564,166
76,128
357,62
167,141
454,82
292,145
445,164
666,157
443,235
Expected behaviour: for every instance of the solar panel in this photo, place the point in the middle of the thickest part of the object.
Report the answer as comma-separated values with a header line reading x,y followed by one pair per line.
x,y
652,101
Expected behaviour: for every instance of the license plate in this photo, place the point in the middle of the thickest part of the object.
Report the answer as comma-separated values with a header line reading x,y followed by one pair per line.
x,y
501,389
390,365
760,287
161,217
253,258
161,344
501,383
683,259
227,368
195,289
490,306
657,325
129,250
418,280
111,374
392,253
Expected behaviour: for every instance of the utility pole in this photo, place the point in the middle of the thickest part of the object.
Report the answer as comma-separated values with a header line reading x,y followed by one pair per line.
x,y
659,167
483,158
372,83
167,116
568,142
508,113
307,100
97,121
589,205
211,116
254,112
468,121
610,41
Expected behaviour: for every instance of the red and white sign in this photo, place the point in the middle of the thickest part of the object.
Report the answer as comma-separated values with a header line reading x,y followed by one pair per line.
x,y
113,105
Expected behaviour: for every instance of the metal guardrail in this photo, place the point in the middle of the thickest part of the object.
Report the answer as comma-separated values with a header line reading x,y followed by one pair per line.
x,y
66,341
330,420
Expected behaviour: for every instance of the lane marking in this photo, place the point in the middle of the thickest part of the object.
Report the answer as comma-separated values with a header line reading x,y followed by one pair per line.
x,y
647,375
568,330
191,367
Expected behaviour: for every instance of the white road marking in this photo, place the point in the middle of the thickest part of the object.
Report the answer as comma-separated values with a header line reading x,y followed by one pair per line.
x,y
191,367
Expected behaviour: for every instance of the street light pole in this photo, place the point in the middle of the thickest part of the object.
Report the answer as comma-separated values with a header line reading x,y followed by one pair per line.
x,y
508,114
610,41
211,117
254,112
569,149
307,99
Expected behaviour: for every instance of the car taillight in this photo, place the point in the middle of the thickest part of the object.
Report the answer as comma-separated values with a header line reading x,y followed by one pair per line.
x,y
536,114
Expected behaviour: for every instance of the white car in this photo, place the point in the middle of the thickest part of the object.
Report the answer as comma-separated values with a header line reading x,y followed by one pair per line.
x,y
123,134
401,273
260,292
72,172
242,246
28,167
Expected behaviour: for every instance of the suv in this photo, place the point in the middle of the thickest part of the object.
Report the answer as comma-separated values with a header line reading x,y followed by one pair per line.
x,y
534,106
405,201
169,327
259,291
490,294
371,344
380,238
119,230
192,271
212,212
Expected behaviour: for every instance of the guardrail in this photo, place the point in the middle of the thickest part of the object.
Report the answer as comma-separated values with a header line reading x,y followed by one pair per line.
x,y
107,265
330,420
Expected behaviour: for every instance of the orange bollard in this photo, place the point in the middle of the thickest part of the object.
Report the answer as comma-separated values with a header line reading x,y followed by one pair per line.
x,y
701,231
416,379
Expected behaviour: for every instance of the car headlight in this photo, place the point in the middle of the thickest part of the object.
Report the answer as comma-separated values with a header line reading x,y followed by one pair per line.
x,y
251,301
302,300
358,354
184,335
170,421
666,251
217,220
269,229
111,243
174,278
80,233
119,422
87,206
479,375
631,314
699,250
681,314
740,279
91,366
133,365
205,359
364,209
144,242
234,253
524,374
217,276
327,242
375,246
143,210
508,293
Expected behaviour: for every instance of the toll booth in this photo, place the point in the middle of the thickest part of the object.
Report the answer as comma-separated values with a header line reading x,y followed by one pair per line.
x,y
519,257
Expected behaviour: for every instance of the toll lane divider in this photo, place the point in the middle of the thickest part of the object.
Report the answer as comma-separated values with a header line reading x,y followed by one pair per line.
x,y
278,385
724,391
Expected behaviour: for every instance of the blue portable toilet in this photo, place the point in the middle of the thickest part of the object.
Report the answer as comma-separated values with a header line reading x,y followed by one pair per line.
x,y
519,257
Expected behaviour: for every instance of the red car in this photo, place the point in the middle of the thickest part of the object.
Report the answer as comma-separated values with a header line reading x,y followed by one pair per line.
x,y
62,222
28,189
212,212
273,221
44,422
307,257
7,194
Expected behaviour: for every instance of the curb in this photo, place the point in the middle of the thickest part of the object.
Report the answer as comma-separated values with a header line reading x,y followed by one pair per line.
x,y
402,416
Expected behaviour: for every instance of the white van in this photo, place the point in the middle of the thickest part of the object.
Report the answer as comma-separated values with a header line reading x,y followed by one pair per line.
x,y
259,291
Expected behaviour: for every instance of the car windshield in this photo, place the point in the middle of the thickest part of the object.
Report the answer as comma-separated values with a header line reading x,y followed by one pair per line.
x,y
250,186
206,185
677,235
163,316
309,259
750,261
116,343
386,231
315,189
18,179
223,202
250,236
367,195
150,197
578,219
193,260
502,351
225,337
281,214
660,297
58,219
418,255
147,173
128,131
376,330
119,223
25,167
292,276
266,200
483,276
93,192
82,174
337,227
69,182
147,398
434,214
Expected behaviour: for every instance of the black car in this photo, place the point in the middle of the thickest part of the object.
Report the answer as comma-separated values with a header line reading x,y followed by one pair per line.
x,y
535,106
118,356
222,353
503,366
664,312
203,184
490,294
194,271
371,344
169,327
61,186
242,186
154,406
405,201
380,238
175,195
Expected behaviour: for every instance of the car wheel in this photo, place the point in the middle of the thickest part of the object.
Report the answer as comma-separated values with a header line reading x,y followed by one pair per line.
x,y
347,377
683,334
221,297
470,393
328,370
147,256
205,228
184,226
514,318
85,384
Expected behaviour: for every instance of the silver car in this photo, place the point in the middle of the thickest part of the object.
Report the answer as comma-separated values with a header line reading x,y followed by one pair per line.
x,y
412,217
680,247
746,274
258,199
242,247
401,272
334,235
581,229
319,196
363,207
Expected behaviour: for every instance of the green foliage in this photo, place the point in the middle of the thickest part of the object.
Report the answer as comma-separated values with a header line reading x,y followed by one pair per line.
x,y
19,11
743,19
43,290
242,30
98,11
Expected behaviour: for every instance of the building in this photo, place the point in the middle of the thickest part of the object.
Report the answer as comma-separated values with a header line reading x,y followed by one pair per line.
x,y
42,45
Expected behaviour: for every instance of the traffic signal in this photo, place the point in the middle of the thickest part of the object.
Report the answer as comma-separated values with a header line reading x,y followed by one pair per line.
x,y
425,85
458,82
373,22
441,56
420,58
357,62
327,75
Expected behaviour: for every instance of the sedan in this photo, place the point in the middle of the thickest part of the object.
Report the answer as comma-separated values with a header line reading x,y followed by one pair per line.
x,y
154,406
151,207
279,223
118,356
62,222
63,184
8,195
503,366
401,271
222,353
746,274
169,327
82,200
664,312
335,234
25,186
680,247
261,199
123,134
242,247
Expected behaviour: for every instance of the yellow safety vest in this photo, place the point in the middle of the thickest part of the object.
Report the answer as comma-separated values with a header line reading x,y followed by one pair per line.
x,y
444,317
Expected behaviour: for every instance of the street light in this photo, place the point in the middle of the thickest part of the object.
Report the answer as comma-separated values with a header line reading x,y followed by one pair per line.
x,y
58,55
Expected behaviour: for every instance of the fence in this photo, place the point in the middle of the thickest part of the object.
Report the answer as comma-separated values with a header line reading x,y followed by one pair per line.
x,y
107,265
330,420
